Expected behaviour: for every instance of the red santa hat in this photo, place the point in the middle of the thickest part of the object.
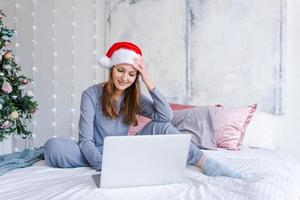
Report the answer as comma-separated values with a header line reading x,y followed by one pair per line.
x,y
120,53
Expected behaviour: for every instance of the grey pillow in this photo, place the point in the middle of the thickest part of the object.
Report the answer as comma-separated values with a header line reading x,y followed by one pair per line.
x,y
199,123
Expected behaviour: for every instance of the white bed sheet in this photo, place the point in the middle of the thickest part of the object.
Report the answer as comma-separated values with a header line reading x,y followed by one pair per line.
x,y
276,177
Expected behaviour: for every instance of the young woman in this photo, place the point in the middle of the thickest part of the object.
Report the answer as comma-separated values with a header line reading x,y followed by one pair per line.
x,y
109,108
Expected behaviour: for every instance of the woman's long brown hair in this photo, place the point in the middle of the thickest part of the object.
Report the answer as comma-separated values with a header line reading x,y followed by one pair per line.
x,y
130,106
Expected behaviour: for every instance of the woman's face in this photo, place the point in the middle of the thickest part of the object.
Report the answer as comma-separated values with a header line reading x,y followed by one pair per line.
x,y
123,76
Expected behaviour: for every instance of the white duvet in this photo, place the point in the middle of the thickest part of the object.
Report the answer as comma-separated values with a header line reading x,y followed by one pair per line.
x,y
276,176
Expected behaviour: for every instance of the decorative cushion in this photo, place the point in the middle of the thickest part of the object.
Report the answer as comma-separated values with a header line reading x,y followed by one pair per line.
x,y
199,123
142,121
176,106
231,125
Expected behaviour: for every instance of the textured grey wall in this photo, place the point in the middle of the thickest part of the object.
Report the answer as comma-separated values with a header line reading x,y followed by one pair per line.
x,y
159,28
208,52
237,54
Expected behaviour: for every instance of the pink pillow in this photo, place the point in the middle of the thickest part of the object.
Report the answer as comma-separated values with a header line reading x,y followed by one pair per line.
x,y
231,125
176,106
142,121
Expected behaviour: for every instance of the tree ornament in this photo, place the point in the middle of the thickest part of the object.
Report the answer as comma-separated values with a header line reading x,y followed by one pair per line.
x,y
29,93
14,115
8,55
25,81
6,88
6,124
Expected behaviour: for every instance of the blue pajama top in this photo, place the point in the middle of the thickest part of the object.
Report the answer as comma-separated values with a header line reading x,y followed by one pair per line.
x,y
94,126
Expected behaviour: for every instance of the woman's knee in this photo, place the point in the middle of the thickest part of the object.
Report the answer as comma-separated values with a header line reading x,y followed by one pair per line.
x,y
63,152
54,150
51,146
51,150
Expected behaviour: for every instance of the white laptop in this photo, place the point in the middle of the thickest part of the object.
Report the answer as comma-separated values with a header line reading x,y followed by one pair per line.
x,y
130,161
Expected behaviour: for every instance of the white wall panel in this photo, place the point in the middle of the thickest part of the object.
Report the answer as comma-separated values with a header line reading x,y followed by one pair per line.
x,y
23,48
90,22
44,73
83,47
159,28
63,40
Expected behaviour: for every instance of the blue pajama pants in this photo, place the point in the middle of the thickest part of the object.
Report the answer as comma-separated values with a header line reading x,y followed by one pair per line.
x,y
65,153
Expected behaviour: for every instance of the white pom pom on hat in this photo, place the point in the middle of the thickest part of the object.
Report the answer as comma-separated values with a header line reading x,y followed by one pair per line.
x,y
120,53
104,61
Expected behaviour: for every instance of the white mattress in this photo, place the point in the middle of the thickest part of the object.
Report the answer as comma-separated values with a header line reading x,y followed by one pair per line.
x,y
276,177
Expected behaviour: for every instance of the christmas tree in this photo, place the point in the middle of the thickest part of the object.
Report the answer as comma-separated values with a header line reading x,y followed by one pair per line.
x,y
16,104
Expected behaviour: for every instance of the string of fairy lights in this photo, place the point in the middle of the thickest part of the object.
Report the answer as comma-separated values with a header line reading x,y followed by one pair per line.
x,y
54,70
28,142
72,123
95,42
54,62
33,83
17,6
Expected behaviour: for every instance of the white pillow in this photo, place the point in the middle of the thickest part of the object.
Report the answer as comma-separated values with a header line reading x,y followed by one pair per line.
x,y
260,131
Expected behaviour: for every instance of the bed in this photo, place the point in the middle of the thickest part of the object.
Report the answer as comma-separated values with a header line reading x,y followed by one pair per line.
x,y
275,176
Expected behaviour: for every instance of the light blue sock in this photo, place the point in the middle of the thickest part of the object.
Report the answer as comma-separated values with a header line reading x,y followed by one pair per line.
x,y
212,167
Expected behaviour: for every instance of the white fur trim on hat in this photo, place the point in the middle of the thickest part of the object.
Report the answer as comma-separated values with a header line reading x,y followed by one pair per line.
x,y
120,56
104,62
123,56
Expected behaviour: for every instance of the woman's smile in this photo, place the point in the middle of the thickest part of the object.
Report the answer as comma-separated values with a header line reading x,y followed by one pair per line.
x,y
122,83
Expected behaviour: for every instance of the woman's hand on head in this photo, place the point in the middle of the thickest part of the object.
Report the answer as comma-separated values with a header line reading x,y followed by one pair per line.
x,y
140,66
